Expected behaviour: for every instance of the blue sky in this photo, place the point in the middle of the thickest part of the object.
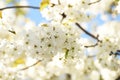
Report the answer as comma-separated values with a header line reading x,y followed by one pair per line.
x,y
33,14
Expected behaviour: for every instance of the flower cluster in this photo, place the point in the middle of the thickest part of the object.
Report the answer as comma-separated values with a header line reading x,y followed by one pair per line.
x,y
67,11
55,50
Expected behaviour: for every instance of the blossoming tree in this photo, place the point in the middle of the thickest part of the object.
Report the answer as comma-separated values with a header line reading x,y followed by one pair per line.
x,y
58,49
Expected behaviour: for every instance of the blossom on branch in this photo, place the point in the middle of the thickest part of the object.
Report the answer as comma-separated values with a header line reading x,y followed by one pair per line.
x,y
58,48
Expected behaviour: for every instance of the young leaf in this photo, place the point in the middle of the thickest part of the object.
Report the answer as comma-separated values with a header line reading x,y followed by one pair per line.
x,y
0,14
44,4
18,61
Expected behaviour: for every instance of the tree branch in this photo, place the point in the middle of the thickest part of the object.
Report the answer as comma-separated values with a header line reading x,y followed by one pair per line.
x,y
31,65
116,53
11,7
94,2
92,45
35,7
89,34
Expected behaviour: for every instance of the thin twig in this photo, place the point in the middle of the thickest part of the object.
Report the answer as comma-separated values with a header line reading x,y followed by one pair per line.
x,y
91,56
94,2
117,53
11,7
59,2
63,16
35,7
12,31
92,45
90,34
30,65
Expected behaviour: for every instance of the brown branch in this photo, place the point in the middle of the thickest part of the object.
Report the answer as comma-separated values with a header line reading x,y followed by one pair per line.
x,y
12,31
30,65
118,78
94,2
63,16
35,7
117,53
59,2
92,45
90,34
13,7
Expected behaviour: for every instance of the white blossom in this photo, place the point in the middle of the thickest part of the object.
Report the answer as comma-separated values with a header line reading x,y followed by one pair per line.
x,y
56,49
